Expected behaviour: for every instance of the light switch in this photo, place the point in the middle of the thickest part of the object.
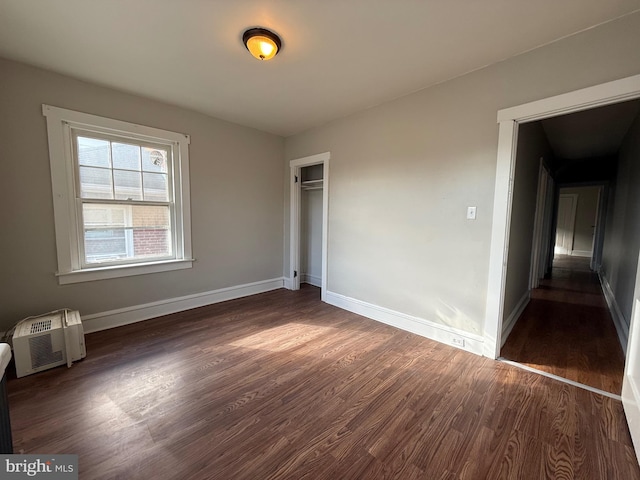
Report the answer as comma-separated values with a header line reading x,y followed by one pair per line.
x,y
471,213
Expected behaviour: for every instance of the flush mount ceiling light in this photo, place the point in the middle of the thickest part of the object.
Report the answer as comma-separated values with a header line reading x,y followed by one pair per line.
x,y
261,43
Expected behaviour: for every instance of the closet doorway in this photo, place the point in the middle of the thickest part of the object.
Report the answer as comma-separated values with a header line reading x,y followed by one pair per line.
x,y
309,221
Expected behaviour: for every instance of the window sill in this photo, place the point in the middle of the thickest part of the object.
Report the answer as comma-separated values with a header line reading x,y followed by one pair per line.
x,y
102,273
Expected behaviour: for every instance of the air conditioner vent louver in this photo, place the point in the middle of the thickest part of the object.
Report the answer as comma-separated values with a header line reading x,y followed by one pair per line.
x,y
40,326
42,353
48,340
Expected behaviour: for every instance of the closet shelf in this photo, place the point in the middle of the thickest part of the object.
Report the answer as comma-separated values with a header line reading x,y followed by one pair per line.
x,y
311,184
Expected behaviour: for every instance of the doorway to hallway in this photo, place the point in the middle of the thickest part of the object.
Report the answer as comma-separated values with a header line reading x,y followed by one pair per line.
x,y
567,330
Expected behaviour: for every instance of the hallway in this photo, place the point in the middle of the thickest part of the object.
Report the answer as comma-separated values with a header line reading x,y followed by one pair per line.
x,y
566,329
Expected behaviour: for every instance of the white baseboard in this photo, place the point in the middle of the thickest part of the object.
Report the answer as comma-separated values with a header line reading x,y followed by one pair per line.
x,y
581,253
288,284
124,316
434,331
311,280
622,327
512,319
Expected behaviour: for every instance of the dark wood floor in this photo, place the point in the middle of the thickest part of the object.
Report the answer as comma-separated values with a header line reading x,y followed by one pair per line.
x,y
282,386
567,329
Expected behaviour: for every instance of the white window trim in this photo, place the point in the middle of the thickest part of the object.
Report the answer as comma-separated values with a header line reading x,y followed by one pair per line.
x,y
60,121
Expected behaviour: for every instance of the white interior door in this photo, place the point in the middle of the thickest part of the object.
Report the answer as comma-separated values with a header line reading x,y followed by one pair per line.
x,y
294,243
547,229
567,205
598,237
631,380
538,251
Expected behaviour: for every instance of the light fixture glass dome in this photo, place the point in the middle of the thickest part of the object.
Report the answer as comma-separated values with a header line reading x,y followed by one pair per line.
x,y
262,43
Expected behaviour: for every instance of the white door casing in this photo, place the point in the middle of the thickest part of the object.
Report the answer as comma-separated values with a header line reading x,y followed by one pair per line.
x,y
294,217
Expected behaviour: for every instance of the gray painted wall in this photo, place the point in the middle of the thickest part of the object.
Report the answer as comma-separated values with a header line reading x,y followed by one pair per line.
x,y
532,145
236,199
403,173
622,235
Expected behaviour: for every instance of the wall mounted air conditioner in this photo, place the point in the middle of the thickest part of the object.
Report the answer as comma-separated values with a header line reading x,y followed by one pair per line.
x,y
48,340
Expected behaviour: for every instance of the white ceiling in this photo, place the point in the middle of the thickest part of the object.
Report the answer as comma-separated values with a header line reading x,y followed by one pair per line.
x,y
338,56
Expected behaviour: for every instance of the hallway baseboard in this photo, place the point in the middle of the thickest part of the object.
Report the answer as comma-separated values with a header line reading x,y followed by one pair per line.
x,y
619,321
513,317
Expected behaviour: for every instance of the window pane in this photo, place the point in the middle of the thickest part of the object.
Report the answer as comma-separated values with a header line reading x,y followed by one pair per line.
x,y
113,233
154,160
128,185
151,231
105,236
93,152
155,187
125,156
95,183
105,245
98,215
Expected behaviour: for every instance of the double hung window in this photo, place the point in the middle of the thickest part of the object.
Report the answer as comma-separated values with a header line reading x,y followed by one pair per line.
x,y
121,199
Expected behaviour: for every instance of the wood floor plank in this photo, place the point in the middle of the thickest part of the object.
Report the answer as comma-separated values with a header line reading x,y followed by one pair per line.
x,y
283,386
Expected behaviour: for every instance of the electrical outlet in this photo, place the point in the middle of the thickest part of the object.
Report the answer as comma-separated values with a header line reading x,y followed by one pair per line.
x,y
457,341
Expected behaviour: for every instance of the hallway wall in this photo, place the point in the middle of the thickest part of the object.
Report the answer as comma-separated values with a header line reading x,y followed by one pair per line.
x,y
622,235
532,145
